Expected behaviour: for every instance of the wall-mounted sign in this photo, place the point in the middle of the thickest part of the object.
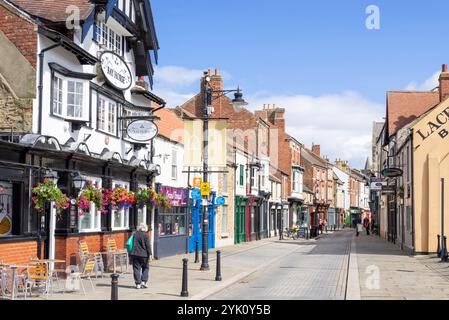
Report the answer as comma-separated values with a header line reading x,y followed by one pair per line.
x,y
377,184
177,196
142,130
116,70
220,201
392,172
196,194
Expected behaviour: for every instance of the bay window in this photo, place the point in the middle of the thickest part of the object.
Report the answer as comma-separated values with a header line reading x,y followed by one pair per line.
x,y
68,97
120,217
91,221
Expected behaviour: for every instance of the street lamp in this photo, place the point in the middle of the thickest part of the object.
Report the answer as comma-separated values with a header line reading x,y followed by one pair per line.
x,y
238,102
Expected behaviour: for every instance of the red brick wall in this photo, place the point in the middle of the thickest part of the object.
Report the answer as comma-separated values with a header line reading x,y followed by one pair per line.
x,y
18,252
20,32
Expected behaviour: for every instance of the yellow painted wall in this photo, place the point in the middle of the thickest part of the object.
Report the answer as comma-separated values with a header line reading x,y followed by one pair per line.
x,y
431,163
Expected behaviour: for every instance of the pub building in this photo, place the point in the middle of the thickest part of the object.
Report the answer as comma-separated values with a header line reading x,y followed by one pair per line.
x,y
77,111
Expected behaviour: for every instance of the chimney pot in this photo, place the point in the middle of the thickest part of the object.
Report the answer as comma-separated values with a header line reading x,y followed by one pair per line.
x,y
444,68
209,72
217,73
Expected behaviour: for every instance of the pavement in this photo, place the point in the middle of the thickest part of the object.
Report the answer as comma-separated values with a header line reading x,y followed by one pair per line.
x,y
336,266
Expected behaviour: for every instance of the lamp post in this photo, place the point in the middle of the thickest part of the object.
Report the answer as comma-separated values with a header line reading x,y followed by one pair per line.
x,y
237,102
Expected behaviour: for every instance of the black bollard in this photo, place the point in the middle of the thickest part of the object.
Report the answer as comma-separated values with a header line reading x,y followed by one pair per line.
x,y
184,292
439,246
197,257
444,254
218,274
114,286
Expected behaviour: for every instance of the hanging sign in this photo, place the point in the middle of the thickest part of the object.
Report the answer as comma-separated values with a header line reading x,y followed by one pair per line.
x,y
116,70
142,130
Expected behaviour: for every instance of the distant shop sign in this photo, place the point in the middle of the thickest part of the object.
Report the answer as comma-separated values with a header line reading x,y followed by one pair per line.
x,y
377,184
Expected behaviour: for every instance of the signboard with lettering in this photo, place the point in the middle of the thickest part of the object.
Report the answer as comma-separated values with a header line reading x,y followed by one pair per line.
x,y
142,130
377,184
205,189
177,196
116,70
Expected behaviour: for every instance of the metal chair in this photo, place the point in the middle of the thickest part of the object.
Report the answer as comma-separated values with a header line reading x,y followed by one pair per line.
x,y
37,275
85,255
116,255
88,272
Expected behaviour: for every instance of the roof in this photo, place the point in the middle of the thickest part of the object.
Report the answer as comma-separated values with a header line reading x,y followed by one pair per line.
x,y
405,106
54,10
313,159
168,124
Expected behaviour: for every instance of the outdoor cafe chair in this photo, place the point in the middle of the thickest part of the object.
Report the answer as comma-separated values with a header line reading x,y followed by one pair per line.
x,y
85,255
36,276
115,255
87,273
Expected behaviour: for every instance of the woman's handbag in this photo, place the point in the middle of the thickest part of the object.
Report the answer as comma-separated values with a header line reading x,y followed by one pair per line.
x,y
129,244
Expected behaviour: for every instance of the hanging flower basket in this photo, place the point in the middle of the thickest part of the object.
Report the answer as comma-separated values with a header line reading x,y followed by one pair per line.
x,y
90,195
162,202
118,198
48,192
146,197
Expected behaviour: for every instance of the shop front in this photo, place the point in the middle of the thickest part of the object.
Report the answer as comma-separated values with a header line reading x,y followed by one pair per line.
x,y
171,236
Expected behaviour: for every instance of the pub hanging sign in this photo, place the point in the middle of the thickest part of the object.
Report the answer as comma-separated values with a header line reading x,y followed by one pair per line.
x,y
116,70
142,130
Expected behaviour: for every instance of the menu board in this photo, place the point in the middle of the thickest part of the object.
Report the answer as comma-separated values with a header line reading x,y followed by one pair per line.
x,y
5,209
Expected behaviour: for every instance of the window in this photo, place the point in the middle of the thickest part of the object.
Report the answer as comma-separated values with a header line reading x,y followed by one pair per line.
x,y
142,212
172,222
225,183
57,95
107,115
68,97
91,221
295,181
120,217
242,174
108,38
224,219
253,177
174,164
6,208
75,99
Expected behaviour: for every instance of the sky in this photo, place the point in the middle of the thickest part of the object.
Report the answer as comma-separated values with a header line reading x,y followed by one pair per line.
x,y
317,59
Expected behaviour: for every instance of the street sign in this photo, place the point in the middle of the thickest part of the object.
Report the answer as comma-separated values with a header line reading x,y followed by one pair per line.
x,y
205,189
196,194
197,183
220,201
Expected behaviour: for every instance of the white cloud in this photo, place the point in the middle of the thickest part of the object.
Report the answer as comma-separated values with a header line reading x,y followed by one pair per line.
x,y
177,76
341,123
429,84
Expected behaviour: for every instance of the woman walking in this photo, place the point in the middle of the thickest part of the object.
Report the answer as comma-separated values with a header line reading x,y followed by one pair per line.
x,y
140,256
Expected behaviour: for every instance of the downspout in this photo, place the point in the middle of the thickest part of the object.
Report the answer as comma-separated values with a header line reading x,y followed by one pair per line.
x,y
413,192
41,82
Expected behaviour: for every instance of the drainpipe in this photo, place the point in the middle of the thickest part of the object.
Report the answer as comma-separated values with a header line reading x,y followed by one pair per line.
x,y
413,192
41,82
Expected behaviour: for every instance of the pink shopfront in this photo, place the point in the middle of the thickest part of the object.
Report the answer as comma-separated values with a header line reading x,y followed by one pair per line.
x,y
171,233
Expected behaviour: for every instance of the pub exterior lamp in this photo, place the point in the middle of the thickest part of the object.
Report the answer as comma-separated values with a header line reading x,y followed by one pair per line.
x,y
78,181
51,176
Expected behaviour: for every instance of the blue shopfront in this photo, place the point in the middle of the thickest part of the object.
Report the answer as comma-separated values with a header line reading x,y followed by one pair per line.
x,y
196,224
171,225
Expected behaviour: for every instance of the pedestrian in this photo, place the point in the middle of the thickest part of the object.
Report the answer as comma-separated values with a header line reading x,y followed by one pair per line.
x,y
140,255
366,224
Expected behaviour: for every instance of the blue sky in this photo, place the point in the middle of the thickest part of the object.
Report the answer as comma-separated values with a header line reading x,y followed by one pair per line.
x,y
315,58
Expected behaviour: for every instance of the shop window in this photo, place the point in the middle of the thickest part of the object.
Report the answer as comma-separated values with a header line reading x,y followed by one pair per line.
x,y
224,219
107,115
91,221
172,222
108,38
120,217
142,213
68,97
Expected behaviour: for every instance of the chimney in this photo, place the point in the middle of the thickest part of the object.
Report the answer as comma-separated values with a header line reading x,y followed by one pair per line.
x,y
444,83
316,149
142,83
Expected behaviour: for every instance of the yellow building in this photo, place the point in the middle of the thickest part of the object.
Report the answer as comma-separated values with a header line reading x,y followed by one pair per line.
x,y
430,164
